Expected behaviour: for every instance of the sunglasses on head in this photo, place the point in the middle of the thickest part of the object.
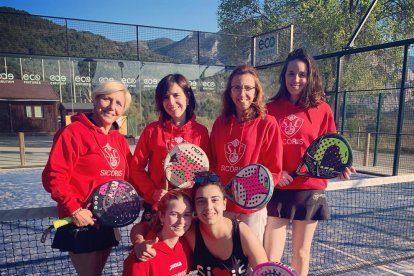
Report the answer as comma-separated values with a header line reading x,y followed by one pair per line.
x,y
205,177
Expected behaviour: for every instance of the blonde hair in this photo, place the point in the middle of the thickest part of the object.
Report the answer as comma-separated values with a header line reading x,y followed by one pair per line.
x,y
109,87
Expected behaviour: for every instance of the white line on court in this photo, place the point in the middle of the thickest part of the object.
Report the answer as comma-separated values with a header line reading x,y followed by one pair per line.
x,y
361,260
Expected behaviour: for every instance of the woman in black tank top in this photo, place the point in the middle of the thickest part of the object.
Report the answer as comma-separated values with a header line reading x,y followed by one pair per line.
x,y
221,246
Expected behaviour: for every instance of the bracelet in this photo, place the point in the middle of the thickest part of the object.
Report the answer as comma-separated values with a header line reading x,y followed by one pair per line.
x,y
76,212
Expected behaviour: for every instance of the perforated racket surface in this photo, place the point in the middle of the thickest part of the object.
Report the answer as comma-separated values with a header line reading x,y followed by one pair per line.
x,y
183,162
326,157
273,269
251,187
114,203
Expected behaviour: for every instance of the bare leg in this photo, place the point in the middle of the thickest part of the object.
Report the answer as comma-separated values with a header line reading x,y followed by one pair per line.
x,y
90,264
275,238
302,236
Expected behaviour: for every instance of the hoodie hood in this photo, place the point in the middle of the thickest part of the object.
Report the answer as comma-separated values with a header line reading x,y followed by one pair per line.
x,y
86,120
172,131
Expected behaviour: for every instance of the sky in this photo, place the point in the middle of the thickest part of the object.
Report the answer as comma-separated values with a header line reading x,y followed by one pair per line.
x,y
195,15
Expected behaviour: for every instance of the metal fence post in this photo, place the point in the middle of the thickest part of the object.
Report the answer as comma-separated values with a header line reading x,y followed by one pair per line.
x,y
397,149
366,153
22,149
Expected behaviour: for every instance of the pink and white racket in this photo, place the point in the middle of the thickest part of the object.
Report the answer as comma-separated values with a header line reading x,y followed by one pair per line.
x,y
251,188
183,162
274,269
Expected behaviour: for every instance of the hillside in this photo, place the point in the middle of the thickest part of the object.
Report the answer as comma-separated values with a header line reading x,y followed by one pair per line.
x,y
26,34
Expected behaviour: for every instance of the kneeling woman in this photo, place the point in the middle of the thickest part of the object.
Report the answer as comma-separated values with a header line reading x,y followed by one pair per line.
x,y
172,221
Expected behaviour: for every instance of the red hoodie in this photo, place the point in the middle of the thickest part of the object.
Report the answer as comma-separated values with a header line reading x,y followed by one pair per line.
x,y
82,158
156,140
168,261
235,145
299,128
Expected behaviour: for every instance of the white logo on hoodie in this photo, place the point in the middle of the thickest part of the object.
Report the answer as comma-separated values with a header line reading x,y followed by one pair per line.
x,y
290,125
234,151
111,155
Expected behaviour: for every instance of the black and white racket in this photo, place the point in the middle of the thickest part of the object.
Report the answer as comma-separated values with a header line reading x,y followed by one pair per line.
x,y
251,188
114,203
183,162
273,269
326,157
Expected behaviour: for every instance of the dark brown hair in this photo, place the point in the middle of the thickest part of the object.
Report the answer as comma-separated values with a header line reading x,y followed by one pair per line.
x,y
162,88
313,92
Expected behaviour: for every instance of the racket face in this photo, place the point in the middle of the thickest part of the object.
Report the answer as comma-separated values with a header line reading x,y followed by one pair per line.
x,y
115,203
274,269
252,187
183,162
327,156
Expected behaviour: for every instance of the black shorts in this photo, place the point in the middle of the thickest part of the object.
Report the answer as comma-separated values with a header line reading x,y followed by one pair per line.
x,y
84,239
299,205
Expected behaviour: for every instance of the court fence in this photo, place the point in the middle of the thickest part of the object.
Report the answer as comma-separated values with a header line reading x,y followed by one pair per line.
x,y
371,91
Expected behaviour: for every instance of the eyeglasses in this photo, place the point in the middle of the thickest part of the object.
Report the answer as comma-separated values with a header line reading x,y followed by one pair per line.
x,y
238,88
205,177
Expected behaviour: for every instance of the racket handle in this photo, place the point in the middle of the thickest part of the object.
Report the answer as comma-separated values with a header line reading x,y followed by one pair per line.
x,y
294,174
62,222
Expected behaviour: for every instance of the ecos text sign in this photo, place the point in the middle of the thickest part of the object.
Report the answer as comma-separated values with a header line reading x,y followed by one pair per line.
x,y
6,78
150,83
31,78
57,79
266,45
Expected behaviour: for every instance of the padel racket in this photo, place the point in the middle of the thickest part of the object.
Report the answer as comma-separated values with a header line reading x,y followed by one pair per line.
x,y
183,162
251,188
326,157
114,203
273,269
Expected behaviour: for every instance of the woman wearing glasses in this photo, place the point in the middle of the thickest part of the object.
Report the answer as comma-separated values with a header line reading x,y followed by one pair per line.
x,y
220,246
245,134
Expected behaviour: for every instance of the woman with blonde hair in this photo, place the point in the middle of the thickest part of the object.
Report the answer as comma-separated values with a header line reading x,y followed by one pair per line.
x,y
88,152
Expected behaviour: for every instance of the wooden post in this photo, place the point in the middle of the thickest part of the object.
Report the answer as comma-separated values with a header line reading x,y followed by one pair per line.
x,y
366,154
22,149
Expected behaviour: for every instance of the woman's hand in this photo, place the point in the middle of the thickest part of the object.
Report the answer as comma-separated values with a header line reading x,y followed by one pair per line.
x,y
82,217
346,174
285,180
143,249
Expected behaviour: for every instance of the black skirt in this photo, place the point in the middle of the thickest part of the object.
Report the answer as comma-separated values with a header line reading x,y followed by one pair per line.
x,y
299,205
84,239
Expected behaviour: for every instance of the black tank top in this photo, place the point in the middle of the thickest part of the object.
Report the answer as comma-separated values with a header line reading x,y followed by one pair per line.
x,y
207,264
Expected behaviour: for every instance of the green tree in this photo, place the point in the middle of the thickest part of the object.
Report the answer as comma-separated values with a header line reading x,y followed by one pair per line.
x,y
320,25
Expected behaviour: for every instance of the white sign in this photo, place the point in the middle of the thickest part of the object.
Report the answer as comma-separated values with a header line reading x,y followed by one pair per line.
x,y
266,49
